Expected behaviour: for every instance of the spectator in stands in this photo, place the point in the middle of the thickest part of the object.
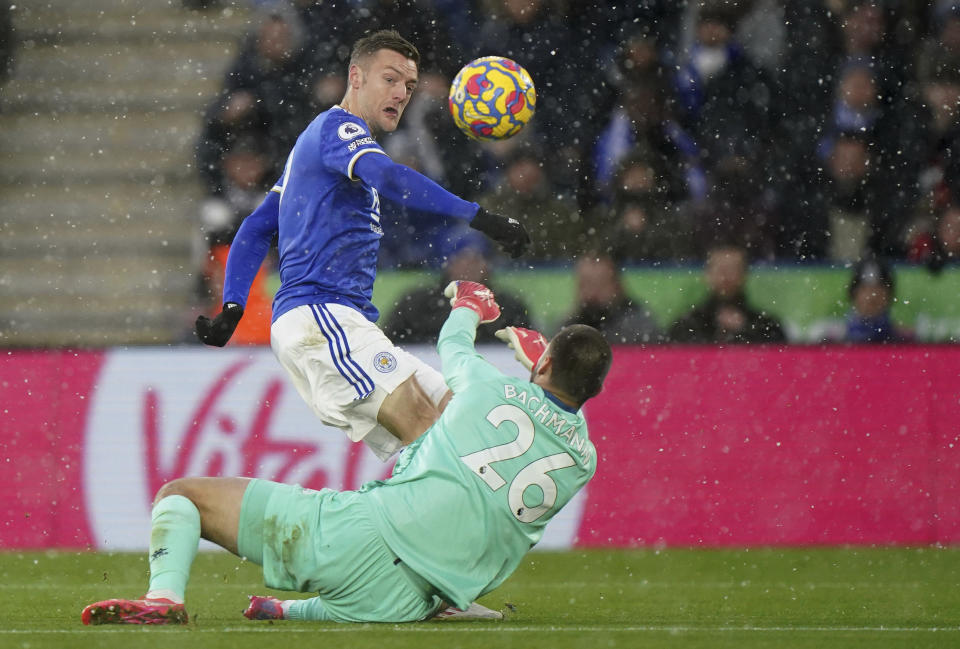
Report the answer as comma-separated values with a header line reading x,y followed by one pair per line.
x,y
643,224
813,44
636,59
856,105
725,315
462,19
739,207
538,36
869,31
863,27
603,303
946,25
810,57
266,92
938,244
230,117
871,294
630,42
526,193
869,101
275,69
948,234
851,197
643,121
762,32
660,18
822,37
893,134
422,24
631,38
330,30
711,75
247,172
938,72
419,314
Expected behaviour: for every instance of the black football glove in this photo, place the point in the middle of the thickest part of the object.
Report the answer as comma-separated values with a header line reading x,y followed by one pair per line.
x,y
217,332
509,233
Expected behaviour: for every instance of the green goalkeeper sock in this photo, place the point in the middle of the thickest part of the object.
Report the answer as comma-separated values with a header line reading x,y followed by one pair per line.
x,y
306,609
174,537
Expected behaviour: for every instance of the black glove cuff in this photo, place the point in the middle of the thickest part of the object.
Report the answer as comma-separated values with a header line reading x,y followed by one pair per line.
x,y
509,233
495,226
483,221
232,312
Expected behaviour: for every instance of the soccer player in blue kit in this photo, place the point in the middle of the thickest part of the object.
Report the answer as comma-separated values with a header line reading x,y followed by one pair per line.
x,y
325,212
464,504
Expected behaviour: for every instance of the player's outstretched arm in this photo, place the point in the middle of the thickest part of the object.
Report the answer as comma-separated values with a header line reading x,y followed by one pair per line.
x,y
472,304
528,345
249,248
403,185
474,296
247,252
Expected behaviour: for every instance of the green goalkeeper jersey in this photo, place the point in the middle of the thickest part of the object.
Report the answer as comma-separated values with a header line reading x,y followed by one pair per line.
x,y
473,494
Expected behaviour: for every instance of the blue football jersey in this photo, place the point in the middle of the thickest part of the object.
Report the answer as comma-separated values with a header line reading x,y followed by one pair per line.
x,y
329,220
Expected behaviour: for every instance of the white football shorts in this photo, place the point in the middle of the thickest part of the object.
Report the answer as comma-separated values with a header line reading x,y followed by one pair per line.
x,y
344,366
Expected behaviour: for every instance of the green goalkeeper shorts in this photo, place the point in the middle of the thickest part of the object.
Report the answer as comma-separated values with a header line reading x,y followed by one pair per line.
x,y
325,542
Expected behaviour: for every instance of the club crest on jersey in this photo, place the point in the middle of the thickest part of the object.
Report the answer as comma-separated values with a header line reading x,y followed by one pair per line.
x,y
385,362
349,130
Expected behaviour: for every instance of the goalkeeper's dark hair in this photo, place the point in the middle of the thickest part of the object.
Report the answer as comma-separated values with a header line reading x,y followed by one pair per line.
x,y
581,358
384,39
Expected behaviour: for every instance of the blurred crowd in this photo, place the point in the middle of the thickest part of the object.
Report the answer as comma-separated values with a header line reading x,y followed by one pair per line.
x,y
777,130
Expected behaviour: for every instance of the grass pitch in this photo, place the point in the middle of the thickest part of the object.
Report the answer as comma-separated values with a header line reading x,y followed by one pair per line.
x,y
855,597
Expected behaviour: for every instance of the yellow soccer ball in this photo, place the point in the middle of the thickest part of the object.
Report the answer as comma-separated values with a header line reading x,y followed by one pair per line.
x,y
492,98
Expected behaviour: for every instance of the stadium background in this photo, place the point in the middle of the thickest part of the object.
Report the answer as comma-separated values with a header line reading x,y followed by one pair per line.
x,y
100,195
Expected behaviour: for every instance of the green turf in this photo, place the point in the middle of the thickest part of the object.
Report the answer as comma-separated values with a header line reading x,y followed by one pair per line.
x,y
876,598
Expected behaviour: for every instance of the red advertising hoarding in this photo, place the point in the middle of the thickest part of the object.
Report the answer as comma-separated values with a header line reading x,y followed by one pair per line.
x,y
698,446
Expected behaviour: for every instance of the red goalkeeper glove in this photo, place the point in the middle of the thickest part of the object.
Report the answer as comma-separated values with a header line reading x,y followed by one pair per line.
x,y
474,296
528,345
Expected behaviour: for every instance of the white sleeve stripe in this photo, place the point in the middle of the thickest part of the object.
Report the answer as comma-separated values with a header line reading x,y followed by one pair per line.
x,y
356,157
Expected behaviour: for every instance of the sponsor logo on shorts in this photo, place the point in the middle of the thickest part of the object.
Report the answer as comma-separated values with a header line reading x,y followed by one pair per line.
x,y
349,130
385,362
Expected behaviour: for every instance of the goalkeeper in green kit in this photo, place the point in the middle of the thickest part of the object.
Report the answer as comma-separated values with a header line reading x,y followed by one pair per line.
x,y
464,504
